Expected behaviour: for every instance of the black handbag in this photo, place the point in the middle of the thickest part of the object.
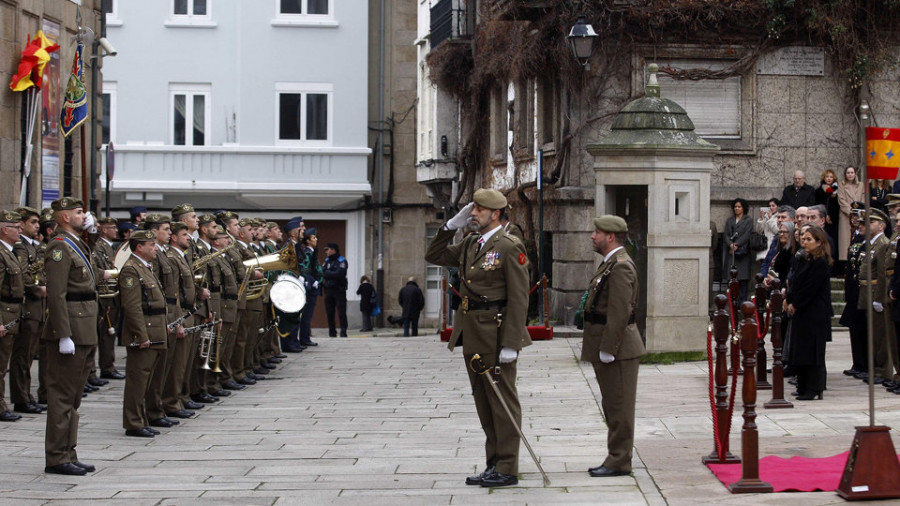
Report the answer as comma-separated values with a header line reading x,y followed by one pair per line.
x,y
757,242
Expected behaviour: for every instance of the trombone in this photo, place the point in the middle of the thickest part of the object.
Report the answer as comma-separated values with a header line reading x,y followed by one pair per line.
x,y
284,260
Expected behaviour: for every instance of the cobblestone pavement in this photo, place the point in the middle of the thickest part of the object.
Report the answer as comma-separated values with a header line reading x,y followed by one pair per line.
x,y
379,419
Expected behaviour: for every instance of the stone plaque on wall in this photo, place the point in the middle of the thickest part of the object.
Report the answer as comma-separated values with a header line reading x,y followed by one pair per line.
x,y
682,276
793,61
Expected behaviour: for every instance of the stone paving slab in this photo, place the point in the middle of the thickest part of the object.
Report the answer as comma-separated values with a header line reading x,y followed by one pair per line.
x,y
389,420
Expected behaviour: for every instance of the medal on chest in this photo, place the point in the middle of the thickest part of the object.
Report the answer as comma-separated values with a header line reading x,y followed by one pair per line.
x,y
491,260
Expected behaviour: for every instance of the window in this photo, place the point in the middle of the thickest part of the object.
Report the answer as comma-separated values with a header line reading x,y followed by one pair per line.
x,y
522,118
108,122
111,10
714,105
189,8
499,124
190,13
547,110
190,116
304,13
425,116
304,113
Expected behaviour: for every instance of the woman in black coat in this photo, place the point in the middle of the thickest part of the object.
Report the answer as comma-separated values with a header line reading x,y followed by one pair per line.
x,y
365,292
809,304
737,240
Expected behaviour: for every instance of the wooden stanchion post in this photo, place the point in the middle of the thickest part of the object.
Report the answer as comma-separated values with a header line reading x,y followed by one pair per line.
x,y
734,292
762,381
721,334
546,301
778,400
749,482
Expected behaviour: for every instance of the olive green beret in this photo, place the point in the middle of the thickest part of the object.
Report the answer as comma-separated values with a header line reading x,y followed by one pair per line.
x,y
178,226
220,232
27,212
66,203
143,235
182,209
107,220
226,215
878,214
271,224
610,223
247,221
893,199
10,216
156,219
490,199
46,215
207,218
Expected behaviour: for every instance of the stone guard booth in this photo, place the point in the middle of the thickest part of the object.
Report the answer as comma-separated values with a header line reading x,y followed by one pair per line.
x,y
653,170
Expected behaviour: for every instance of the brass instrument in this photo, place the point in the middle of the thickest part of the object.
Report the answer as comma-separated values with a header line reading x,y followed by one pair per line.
x,y
201,262
210,347
107,288
284,260
35,269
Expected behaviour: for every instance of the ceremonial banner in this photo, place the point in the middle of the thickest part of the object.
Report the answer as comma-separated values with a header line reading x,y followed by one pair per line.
x,y
882,152
35,57
75,107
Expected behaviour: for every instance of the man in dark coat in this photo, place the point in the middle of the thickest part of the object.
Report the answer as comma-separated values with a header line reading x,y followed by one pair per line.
x,y
413,302
798,194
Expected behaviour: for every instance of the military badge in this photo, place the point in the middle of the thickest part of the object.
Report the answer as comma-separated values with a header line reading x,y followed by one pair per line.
x,y
491,260
57,255
522,258
129,282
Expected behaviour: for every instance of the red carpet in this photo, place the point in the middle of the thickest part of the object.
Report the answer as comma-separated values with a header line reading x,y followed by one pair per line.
x,y
796,474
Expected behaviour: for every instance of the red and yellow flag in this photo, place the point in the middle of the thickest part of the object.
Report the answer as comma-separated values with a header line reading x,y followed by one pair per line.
x,y
31,68
882,152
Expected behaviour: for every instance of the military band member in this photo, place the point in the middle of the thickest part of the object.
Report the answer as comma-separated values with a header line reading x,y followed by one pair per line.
x,y
30,253
143,331
181,351
70,334
882,325
48,230
233,379
491,322
185,213
105,259
215,381
252,318
211,307
12,294
612,342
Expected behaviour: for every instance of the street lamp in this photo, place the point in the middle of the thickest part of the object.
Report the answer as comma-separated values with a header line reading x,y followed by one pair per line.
x,y
581,38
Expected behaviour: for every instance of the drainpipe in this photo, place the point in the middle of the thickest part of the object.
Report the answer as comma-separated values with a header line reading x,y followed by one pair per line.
x,y
379,163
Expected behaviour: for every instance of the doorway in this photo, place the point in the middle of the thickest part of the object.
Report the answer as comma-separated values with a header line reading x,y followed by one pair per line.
x,y
631,204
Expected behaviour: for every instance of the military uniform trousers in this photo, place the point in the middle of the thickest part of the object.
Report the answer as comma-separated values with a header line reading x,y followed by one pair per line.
x,y
180,352
229,334
501,447
106,341
66,375
883,335
25,347
246,321
618,388
6,347
193,347
141,366
251,352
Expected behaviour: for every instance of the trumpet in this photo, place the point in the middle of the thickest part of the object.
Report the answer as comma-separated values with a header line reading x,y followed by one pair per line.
x,y
284,260
210,347
201,262
107,288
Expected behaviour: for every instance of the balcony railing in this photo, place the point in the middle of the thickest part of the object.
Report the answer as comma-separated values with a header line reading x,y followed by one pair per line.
x,y
451,19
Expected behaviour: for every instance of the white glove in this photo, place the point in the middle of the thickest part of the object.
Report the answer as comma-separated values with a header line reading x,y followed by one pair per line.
x,y
315,284
89,223
606,358
879,307
66,346
462,217
508,355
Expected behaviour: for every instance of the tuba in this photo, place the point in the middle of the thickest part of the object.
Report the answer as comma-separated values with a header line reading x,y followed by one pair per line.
x,y
283,260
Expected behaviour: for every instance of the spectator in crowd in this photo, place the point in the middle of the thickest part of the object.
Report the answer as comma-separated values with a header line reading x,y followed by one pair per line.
x,y
784,214
413,302
784,253
335,273
826,195
366,293
767,225
850,190
737,238
798,193
809,305
878,190
801,217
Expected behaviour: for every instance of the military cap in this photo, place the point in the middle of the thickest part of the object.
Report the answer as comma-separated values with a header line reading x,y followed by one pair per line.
x,y
220,232
10,216
207,218
66,203
126,225
310,232
878,214
156,219
271,224
293,223
26,212
893,199
246,221
46,215
226,215
182,209
491,199
107,220
260,222
136,210
610,223
178,226
332,245
857,207
143,236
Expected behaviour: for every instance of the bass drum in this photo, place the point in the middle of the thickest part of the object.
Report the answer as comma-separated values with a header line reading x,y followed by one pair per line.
x,y
288,296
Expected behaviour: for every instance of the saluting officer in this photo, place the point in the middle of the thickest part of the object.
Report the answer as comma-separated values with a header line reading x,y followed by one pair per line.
x,y
12,294
29,251
612,342
491,321
70,334
143,331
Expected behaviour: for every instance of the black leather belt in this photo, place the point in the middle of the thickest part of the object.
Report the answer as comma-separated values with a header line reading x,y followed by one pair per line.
x,y
600,319
215,289
475,305
171,300
186,306
12,300
154,312
81,297
230,296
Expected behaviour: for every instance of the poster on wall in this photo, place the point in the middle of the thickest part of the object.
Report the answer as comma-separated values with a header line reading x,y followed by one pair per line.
x,y
49,121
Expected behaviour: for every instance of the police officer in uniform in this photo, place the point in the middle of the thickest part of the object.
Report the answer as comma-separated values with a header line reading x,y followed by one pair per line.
x,y
12,294
612,342
335,289
491,322
143,331
70,334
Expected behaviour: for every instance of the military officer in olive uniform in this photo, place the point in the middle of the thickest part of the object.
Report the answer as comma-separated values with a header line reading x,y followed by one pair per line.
x,y
882,325
70,334
179,242
612,342
209,308
105,258
30,253
852,317
12,294
143,330
491,322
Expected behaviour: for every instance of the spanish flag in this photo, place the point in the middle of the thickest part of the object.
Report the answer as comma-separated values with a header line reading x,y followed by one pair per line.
x,y
882,152
34,57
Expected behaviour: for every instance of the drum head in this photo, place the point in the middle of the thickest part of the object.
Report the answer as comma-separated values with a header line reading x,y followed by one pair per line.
x,y
288,294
